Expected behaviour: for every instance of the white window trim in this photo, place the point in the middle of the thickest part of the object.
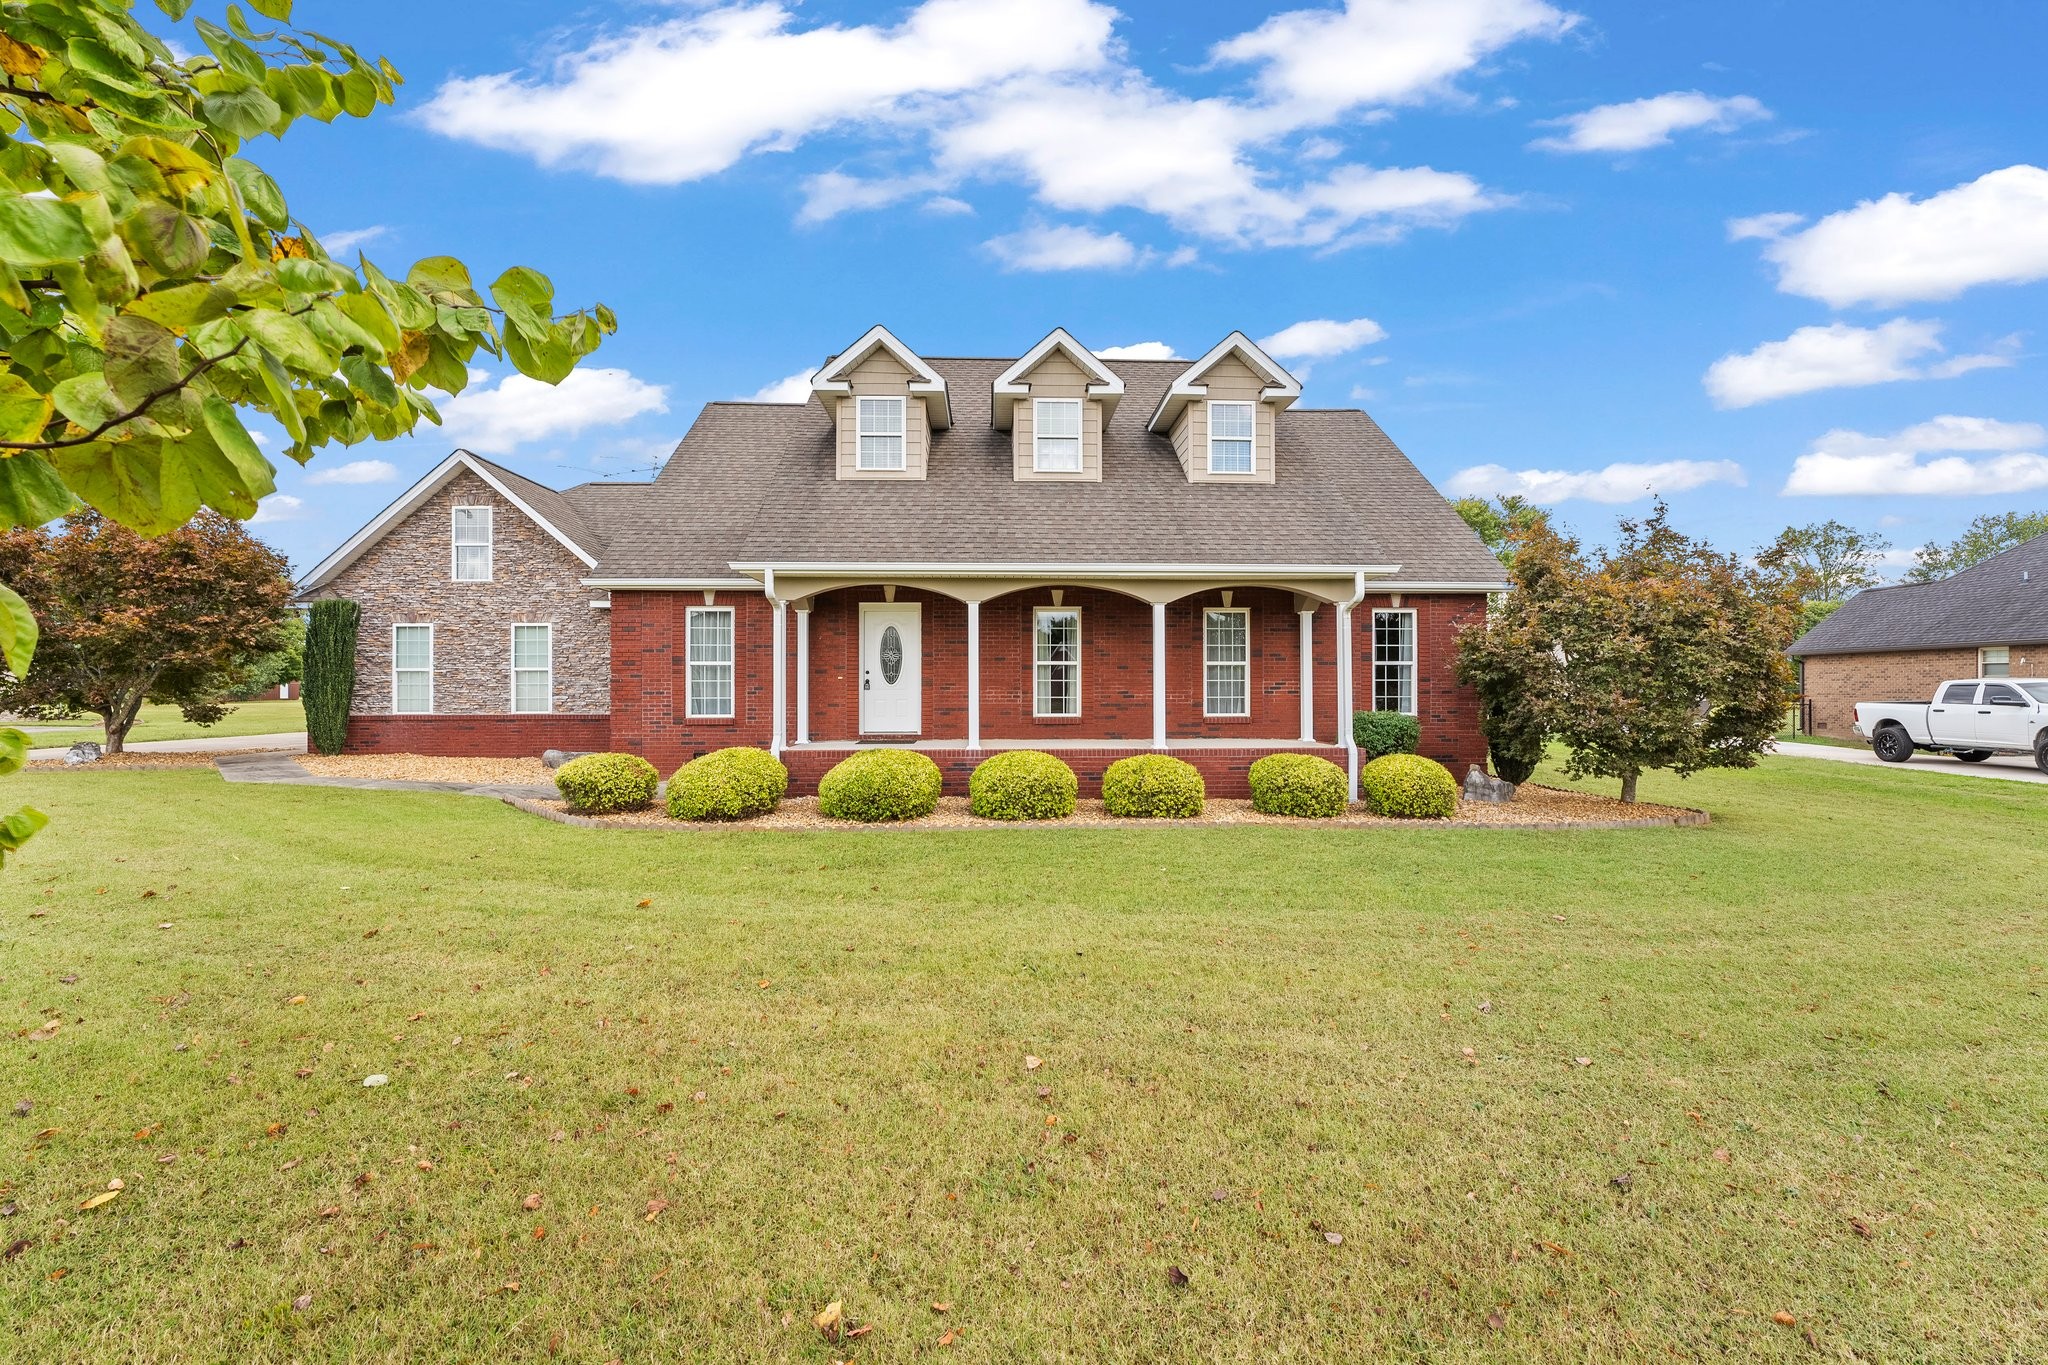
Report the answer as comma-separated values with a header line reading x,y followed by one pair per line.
x,y
1253,439
1079,653
396,626
1246,663
1079,438
512,638
691,665
1413,665
1984,663
490,544
901,434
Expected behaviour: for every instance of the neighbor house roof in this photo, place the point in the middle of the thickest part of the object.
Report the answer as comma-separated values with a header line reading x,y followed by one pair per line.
x,y
2002,600
755,483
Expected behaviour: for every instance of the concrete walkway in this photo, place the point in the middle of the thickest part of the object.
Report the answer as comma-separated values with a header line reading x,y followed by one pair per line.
x,y
279,768
206,744
2009,768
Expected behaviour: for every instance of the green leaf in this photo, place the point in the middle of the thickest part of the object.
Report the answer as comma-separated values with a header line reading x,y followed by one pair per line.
x,y
234,54
289,339
185,306
13,751
359,92
87,400
176,244
224,425
302,275
545,354
278,385
17,632
31,493
259,192
142,358
174,8
43,231
439,274
244,113
280,10
138,482
444,367
18,828
82,166
23,411
527,296
370,314
369,380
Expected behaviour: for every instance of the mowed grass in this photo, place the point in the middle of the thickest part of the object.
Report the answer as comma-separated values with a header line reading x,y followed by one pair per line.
x,y
166,722
1814,1083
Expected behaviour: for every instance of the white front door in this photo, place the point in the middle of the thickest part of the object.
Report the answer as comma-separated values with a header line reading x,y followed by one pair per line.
x,y
891,668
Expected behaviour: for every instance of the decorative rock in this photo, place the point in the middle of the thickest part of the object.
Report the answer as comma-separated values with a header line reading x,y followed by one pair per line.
x,y
85,751
374,1081
1489,791
555,758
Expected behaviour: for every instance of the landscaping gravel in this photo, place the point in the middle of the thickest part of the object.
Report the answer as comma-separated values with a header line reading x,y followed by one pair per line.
x,y
425,768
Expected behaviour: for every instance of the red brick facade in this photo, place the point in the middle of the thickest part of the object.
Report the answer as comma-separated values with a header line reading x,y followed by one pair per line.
x,y
1834,683
476,736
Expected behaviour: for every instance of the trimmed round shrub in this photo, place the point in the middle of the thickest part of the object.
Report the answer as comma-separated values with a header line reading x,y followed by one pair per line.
x,y
878,785
1379,733
728,784
1022,784
604,784
1153,786
1409,787
1298,784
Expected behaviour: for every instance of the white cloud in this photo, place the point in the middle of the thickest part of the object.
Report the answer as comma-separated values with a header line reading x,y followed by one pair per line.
x,y
1138,350
339,244
1319,337
1851,464
946,204
795,388
1839,356
1616,483
1641,124
355,471
1032,91
277,507
1763,226
1992,230
1064,246
518,410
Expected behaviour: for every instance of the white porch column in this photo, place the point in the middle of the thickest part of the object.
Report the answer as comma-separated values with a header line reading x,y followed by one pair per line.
x,y
803,674
1308,675
1159,675
780,691
974,675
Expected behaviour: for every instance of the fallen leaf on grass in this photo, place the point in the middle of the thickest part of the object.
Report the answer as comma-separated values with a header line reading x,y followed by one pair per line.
x,y
654,1209
860,1331
1032,1063
645,903
296,1000
1335,1239
1176,1277
1557,1249
1582,1061
60,1272
15,1250
46,1135
46,1032
1862,1228
949,1338
1721,1154
23,1109
540,1234
531,1203
1783,1319
167,1158
302,1303
303,1072
103,1197
291,1165
330,1211
829,1319
942,1308
274,1130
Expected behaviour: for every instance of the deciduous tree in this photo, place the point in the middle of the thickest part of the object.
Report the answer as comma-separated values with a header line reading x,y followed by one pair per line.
x,y
1825,563
154,285
1496,520
178,619
1988,535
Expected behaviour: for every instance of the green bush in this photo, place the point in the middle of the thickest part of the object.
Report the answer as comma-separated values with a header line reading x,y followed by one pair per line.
x,y
1022,785
604,784
879,785
729,784
1409,787
329,666
1149,786
1298,784
1379,733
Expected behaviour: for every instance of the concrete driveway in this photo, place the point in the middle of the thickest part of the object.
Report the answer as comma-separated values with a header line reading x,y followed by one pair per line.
x,y
2009,768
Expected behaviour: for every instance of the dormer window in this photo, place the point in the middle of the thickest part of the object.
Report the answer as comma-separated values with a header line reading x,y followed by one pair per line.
x,y
881,433
1230,438
472,534
1056,427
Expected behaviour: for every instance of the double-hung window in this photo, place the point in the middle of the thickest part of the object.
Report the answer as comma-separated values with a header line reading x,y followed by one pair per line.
x,y
533,668
1393,661
1230,438
878,424
708,663
1056,662
1056,435
412,670
1226,662
472,544
1995,661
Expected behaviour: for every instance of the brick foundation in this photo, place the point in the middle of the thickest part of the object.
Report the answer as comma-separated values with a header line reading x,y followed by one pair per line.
x,y
520,736
1223,770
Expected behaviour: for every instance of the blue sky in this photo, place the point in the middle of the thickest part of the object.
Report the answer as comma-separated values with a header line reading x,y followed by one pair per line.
x,y
1780,261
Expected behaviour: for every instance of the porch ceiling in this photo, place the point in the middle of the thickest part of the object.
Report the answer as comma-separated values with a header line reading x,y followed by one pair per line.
x,y
1321,586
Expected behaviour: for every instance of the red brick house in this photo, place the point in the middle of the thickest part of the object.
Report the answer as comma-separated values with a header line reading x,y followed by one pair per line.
x,y
1057,551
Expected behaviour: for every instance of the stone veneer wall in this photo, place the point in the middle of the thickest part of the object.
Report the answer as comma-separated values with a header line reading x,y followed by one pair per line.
x,y
408,578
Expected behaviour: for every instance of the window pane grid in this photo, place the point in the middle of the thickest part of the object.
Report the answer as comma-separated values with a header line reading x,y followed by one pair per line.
x,y
879,425
1226,663
1056,666
412,670
472,540
709,662
1997,661
1056,436
1230,438
1393,661
533,668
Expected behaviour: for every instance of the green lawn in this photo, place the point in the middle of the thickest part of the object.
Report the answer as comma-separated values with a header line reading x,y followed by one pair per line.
x,y
1815,1043
164,722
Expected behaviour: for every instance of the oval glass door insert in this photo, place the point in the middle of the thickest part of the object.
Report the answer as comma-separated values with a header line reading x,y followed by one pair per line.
x,y
892,655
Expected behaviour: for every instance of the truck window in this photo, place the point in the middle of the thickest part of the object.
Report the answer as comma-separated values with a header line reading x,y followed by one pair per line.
x,y
1959,694
1998,694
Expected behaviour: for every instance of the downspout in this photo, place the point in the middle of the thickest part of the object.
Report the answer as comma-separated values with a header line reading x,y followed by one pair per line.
x,y
780,654
1347,651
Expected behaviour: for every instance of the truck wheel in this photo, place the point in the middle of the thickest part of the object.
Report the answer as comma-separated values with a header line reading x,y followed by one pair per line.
x,y
1892,744
2041,753
1973,755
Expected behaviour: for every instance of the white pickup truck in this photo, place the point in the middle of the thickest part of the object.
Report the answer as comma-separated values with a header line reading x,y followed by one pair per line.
x,y
1970,718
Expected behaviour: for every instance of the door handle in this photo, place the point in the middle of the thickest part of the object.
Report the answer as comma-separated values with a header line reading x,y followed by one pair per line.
x,y
1983,713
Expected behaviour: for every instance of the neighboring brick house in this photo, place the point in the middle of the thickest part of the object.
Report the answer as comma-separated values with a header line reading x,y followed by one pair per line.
x,y
1092,556
1897,643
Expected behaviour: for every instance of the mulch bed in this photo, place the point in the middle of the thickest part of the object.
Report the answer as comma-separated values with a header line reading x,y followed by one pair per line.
x,y
1533,807
427,768
118,762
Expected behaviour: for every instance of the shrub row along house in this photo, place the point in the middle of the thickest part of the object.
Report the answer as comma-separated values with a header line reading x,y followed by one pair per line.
x,y
1056,551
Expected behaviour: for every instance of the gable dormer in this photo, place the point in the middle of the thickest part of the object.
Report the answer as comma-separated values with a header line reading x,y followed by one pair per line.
x,y
885,401
1219,413
1054,402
